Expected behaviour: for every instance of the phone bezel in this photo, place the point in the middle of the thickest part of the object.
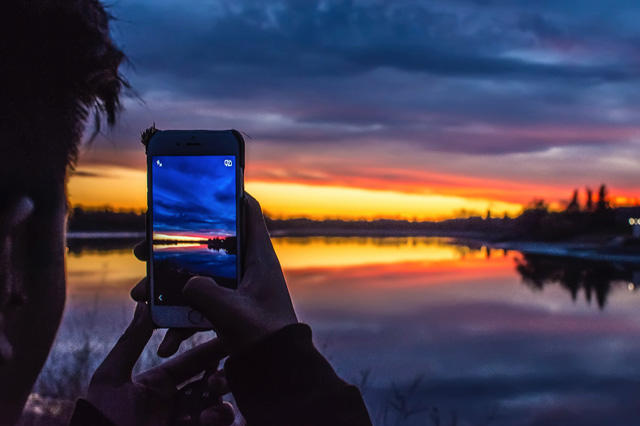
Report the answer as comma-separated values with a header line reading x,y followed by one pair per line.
x,y
191,143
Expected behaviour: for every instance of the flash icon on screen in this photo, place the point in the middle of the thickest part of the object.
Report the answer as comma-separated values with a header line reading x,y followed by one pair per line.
x,y
228,163
159,163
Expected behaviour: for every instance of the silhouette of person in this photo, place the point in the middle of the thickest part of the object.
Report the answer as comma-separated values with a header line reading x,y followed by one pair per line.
x,y
58,64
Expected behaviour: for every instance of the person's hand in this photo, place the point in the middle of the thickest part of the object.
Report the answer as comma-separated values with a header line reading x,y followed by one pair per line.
x,y
153,397
261,305
174,336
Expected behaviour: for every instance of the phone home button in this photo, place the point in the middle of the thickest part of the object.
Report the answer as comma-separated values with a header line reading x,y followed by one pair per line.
x,y
195,317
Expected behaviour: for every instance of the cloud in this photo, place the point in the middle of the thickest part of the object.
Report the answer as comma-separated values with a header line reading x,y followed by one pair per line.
x,y
482,88
84,173
356,71
294,39
194,194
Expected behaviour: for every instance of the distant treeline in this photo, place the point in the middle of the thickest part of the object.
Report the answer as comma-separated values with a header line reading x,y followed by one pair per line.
x,y
537,222
229,244
106,220
594,217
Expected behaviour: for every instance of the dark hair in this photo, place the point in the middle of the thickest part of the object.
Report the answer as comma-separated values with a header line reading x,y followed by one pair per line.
x,y
57,64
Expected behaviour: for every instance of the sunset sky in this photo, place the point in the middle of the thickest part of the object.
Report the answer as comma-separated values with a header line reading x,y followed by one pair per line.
x,y
362,109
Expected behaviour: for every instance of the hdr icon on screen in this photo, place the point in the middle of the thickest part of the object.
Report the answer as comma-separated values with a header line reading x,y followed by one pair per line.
x,y
228,163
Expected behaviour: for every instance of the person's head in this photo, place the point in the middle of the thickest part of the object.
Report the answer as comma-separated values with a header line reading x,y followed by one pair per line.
x,y
58,64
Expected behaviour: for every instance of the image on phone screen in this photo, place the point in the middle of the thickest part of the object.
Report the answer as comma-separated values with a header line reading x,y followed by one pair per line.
x,y
194,223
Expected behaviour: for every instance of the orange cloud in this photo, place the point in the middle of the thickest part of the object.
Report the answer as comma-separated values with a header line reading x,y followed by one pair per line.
x,y
320,189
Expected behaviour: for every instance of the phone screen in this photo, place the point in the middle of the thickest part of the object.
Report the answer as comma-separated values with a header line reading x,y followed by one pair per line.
x,y
194,223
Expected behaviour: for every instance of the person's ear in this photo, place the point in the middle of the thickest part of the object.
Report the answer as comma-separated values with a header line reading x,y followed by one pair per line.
x,y
13,217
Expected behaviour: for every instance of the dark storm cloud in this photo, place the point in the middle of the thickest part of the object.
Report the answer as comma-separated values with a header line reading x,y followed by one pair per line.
x,y
341,38
379,70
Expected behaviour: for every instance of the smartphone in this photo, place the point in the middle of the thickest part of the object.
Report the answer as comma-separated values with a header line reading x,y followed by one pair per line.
x,y
194,188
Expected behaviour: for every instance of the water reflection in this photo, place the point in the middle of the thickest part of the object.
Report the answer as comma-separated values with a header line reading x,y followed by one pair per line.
x,y
388,311
593,277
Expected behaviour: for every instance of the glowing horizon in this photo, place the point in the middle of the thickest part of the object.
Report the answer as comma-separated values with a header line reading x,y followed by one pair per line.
x,y
478,118
187,236
125,189
178,237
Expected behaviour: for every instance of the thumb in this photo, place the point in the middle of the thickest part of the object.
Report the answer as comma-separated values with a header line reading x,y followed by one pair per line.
x,y
212,300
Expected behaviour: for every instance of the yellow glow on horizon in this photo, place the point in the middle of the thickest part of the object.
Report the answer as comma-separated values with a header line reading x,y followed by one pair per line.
x,y
124,188
318,202
320,252
185,238
161,247
118,187
626,201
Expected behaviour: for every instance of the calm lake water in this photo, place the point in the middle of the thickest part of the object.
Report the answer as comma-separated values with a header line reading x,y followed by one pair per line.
x,y
174,264
428,328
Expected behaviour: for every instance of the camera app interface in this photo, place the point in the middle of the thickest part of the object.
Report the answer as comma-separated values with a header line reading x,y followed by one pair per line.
x,y
194,223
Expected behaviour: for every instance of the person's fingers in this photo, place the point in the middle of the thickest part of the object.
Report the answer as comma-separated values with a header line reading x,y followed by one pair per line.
x,y
184,366
139,292
141,251
117,366
172,340
217,383
257,236
214,301
218,415
261,264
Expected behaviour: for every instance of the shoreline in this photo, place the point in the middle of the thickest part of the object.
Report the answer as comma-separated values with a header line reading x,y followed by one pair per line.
x,y
105,235
567,249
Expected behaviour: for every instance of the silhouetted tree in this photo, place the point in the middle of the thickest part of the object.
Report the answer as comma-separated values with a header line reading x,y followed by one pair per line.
x,y
603,202
105,219
603,215
538,204
589,205
529,222
574,205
